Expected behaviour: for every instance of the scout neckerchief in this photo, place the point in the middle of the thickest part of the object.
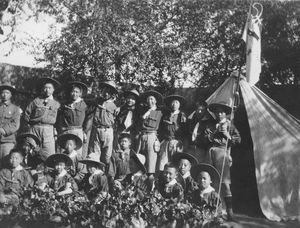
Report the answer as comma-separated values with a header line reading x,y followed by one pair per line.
x,y
186,175
195,131
63,173
128,119
147,114
209,189
46,100
168,186
74,102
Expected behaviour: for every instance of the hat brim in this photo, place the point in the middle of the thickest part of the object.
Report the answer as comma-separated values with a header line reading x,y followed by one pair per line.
x,y
61,141
92,162
215,106
130,93
104,84
81,85
25,135
7,87
43,81
136,160
157,95
171,98
178,156
212,171
53,159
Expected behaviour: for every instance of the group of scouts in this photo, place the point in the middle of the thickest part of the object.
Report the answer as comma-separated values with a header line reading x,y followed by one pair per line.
x,y
99,148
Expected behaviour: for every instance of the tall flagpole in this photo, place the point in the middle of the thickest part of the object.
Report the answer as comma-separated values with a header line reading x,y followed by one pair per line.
x,y
234,104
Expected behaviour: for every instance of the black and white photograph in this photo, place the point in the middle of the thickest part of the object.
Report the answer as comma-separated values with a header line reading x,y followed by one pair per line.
x,y
149,113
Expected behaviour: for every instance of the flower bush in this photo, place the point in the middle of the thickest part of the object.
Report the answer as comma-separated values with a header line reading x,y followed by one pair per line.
x,y
125,208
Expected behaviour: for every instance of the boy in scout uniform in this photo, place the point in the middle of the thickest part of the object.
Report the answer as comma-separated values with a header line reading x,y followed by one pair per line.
x,y
149,125
100,122
218,134
41,115
173,130
71,115
9,120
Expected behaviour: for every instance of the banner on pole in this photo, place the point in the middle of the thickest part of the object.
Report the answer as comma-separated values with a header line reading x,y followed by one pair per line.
x,y
252,37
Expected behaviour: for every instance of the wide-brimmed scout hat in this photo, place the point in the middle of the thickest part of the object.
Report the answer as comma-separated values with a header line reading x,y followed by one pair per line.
x,y
62,139
157,95
79,84
124,135
109,84
8,87
94,159
178,156
137,161
216,106
170,98
32,139
53,159
43,81
133,93
212,171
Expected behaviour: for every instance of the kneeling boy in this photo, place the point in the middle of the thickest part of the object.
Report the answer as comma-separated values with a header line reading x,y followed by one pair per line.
x,y
14,179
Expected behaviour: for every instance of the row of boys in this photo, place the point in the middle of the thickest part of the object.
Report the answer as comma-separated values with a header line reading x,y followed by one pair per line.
x,y
95,125
182,178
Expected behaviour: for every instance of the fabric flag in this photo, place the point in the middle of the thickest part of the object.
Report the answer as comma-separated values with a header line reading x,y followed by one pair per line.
x,y
252,37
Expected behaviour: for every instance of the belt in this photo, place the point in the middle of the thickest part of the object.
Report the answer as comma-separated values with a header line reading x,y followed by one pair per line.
x,y
103,127
148,132
71,128
42,124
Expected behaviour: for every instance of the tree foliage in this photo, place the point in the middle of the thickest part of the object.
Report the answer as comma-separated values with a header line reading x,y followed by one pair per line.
x,y
168,43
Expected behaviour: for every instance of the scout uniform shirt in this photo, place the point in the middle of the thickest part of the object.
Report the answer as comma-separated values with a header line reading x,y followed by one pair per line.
x,y
14,181
173,125
127,119
71,115
171,190
42,111
105,117
41,114
9,121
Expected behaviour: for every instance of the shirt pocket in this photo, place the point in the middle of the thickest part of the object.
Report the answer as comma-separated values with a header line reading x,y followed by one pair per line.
x,y
39,111
151,122
52,113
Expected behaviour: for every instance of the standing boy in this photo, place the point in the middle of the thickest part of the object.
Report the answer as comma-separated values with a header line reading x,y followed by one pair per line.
x,y
100,122
9,120
173,130
149,144
221,134
41,115
72,114
128,115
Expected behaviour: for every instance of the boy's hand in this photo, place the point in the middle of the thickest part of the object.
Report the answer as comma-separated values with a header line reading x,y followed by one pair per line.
x,y
118,184
229,160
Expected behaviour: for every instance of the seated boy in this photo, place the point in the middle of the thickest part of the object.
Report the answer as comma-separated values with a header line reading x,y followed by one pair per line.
x,y
29,144
136,176
206,195
184,162
95,182
71,144
59,180
14,179
119,164
167,184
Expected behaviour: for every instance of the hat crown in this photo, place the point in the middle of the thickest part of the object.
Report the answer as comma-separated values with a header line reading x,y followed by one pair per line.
x,y
93,157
